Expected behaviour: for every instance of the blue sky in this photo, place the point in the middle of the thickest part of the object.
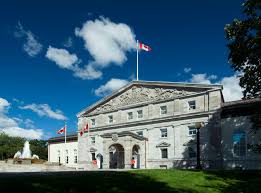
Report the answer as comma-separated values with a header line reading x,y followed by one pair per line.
x,y
58,57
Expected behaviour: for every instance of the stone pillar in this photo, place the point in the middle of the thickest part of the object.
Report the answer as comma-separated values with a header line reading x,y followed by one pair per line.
x,y
106,155
128,152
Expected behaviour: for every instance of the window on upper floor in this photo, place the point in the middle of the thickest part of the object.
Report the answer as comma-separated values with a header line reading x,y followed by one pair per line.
x,y
93,122
164,153
192,105
192,131
164,132
130,115
140,113
93,140
110,119
140,133
163,110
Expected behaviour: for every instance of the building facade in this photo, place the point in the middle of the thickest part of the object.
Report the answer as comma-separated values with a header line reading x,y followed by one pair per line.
x,y
150,125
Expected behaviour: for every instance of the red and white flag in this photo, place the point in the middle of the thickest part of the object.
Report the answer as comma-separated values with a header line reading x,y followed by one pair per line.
x,y
84,129
62,130
144,47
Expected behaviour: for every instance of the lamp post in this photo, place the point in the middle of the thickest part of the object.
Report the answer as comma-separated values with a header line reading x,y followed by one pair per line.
x,y
198,125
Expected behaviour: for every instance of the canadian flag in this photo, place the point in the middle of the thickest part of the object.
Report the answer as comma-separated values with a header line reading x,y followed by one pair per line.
x,y
144,47
62,130
86,128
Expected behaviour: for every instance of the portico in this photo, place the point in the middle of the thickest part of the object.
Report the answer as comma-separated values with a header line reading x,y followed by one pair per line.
x,y
119,149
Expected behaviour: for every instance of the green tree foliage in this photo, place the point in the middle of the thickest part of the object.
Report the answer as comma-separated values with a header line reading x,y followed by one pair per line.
x,y
244,38
10,145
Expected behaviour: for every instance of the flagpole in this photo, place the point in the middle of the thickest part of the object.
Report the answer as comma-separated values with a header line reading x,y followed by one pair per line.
x,y
65,142
137,47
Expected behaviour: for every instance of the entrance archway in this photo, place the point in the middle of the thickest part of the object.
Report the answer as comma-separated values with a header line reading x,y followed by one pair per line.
x,y
99,159
116,156
136,156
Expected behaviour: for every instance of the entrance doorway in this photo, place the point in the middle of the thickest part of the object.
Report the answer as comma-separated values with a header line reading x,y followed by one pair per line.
x,y
116,153
136,156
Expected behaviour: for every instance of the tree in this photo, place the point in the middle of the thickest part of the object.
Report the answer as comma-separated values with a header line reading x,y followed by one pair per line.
x,y
244,38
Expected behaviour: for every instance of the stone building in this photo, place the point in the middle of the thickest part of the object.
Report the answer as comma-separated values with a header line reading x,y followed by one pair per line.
x,y
152,123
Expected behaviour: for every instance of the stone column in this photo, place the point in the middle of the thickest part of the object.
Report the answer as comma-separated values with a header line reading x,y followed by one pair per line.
x,y
106,156
128,152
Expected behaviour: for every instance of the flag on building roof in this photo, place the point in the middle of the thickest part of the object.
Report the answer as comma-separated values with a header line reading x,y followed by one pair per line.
x,y
84,129
62,130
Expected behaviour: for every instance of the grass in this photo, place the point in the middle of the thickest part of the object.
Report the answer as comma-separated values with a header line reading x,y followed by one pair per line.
x,y
179,181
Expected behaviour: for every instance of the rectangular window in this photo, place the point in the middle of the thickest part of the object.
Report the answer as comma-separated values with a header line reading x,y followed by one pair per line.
x,y
192,105
239,143
163,110
59,159
130,115
140,133
75,156
93,156
93,140
164,153
67,159
164,132
140,113
110,117
192,131
93,122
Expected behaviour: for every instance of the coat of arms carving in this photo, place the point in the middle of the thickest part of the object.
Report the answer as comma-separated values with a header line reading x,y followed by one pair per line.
x,y
114,137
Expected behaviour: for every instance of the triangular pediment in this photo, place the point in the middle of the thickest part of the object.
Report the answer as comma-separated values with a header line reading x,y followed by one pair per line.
x,y
163,144
139,92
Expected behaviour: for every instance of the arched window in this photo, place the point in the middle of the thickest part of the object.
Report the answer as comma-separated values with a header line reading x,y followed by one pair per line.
x,y
239,143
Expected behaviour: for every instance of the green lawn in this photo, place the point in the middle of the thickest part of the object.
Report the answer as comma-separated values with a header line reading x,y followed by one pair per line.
x,y
183,181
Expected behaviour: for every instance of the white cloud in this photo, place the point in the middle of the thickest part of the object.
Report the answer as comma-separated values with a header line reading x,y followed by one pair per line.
x,y
61,57
4,105
107,41
187,70
112,85
31,46
231,91
10,125
69,61
212,77
20,132
5,121
29,123
45,110
200,78
88,72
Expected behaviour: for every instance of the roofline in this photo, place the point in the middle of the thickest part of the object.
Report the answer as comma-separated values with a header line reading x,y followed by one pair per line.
x,y
142,82
71,137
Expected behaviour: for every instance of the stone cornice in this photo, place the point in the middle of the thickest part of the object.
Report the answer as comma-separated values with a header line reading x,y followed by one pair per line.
x,y
123,134
152,121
